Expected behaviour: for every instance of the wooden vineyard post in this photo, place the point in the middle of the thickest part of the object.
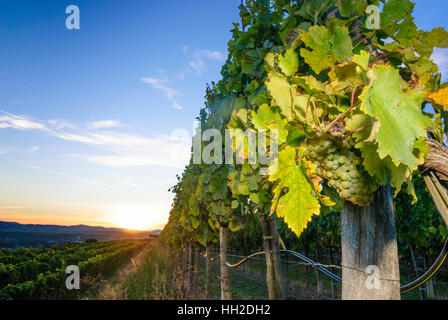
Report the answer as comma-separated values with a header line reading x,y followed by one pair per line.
x,y
276,258
369,239
208,269
225,279
270,277
189,268
272,257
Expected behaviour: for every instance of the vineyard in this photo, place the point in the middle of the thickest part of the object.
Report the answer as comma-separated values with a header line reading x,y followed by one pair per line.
x,y
326,135
318,166
40,273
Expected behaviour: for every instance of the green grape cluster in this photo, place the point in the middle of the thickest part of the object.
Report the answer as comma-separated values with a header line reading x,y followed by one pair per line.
x,y
340,167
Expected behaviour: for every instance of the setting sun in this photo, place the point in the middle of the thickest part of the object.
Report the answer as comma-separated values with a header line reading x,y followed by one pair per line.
x,y
133,217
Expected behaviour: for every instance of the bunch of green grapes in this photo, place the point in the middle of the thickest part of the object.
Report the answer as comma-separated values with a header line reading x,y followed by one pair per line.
x,y
340,167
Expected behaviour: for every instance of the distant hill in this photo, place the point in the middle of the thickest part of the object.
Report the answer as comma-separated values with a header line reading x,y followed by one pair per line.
x,y
15,226
13,234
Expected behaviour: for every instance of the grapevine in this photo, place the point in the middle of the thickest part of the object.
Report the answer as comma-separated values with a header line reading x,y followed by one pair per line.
x,y
347,101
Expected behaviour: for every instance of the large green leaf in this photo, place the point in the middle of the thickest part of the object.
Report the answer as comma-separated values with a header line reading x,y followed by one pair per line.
x,y
397,107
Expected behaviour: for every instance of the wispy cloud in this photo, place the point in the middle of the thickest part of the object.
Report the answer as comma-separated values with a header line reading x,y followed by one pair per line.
x,y
34,149
8,120
118,149
200,58
61,124
197,64
80,179
4,150
134,151
162,84
104,124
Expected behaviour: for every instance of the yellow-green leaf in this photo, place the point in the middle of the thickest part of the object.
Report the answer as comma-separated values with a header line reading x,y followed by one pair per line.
x,y
298,205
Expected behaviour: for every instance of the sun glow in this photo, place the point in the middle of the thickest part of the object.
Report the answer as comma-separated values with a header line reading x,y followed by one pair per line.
x,y
133,217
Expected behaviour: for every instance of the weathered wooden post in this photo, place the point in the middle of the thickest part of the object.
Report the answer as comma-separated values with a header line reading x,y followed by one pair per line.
x,y
369,239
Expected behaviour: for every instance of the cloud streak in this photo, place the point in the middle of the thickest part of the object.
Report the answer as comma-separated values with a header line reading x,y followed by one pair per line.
x,y
80,179
162,85
119,149
104,124
21,123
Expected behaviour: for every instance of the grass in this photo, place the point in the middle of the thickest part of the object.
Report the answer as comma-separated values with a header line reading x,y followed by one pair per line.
x,y
159,278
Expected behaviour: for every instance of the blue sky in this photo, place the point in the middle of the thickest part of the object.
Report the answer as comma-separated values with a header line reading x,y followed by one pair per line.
x,y
93,122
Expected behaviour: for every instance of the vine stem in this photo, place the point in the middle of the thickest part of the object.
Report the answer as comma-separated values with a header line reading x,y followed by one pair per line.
x,y
352,106
294,108
363,40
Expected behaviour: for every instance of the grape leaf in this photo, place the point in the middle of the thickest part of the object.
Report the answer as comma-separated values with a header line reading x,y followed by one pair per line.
x,y
398,109
218,184
394,14
439,98
267,118
284,95
360,125
437,37
341,44
382,170
195,222
280,90
352,7
362,59
318,39
310,8
295,136
298,205
252,62
427,40
259,96
327,47
345,75
244,181
289,63
292,36
238,119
